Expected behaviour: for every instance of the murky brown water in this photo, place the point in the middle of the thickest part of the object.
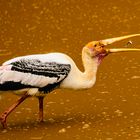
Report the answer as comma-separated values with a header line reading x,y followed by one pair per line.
x,y
108,111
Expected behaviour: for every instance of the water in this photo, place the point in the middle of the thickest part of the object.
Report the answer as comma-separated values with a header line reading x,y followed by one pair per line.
x,y
109,110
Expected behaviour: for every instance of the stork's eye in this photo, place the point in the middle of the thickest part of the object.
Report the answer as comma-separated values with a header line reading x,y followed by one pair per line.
x,y
101,44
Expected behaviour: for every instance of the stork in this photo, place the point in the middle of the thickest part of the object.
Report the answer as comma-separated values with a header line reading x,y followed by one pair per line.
x,y
37,75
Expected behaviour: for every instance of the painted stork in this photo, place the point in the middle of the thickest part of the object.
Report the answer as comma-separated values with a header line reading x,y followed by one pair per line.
x,y
37,75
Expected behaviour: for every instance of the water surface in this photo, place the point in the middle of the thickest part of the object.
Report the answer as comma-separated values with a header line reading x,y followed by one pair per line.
x,y
108,111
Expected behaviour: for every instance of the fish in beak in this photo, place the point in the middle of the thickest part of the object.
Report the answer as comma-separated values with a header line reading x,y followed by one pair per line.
x,y
98,48
116,39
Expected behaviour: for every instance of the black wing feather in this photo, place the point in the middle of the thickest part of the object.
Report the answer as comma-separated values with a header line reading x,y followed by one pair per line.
x,y
36,67
50,69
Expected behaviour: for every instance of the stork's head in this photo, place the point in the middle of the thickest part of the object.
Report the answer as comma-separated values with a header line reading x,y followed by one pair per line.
x,y
97,49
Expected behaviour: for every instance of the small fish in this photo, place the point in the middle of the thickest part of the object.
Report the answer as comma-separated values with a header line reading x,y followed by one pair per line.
x,y
129,43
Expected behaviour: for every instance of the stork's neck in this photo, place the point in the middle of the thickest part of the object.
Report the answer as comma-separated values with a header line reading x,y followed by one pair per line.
x,y
90,65
82,80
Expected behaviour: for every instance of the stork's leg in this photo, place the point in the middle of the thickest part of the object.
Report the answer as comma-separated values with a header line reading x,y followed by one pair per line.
x,y
10,109
40,98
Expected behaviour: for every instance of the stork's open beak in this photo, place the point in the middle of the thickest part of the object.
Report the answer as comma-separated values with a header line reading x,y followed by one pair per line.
x,y
113,40
116,39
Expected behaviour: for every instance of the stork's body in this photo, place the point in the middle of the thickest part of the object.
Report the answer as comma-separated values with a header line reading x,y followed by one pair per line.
x,y
42,73
36,75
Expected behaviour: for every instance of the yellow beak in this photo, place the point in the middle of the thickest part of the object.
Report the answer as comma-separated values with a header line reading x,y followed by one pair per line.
x,y
113,40
114,50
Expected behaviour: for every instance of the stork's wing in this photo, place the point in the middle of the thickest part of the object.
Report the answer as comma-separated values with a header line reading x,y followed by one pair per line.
x,y
26,73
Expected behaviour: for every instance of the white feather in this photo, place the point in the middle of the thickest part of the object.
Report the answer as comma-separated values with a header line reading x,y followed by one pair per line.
x,y
32,79
26,78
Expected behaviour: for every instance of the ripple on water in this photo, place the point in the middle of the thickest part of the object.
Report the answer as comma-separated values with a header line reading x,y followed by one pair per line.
x,y
85,126
36,138
135,77
63,130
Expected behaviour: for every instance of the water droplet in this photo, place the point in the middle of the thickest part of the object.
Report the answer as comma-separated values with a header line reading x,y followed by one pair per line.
x,y
135,77
85,126
63,130
118,112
